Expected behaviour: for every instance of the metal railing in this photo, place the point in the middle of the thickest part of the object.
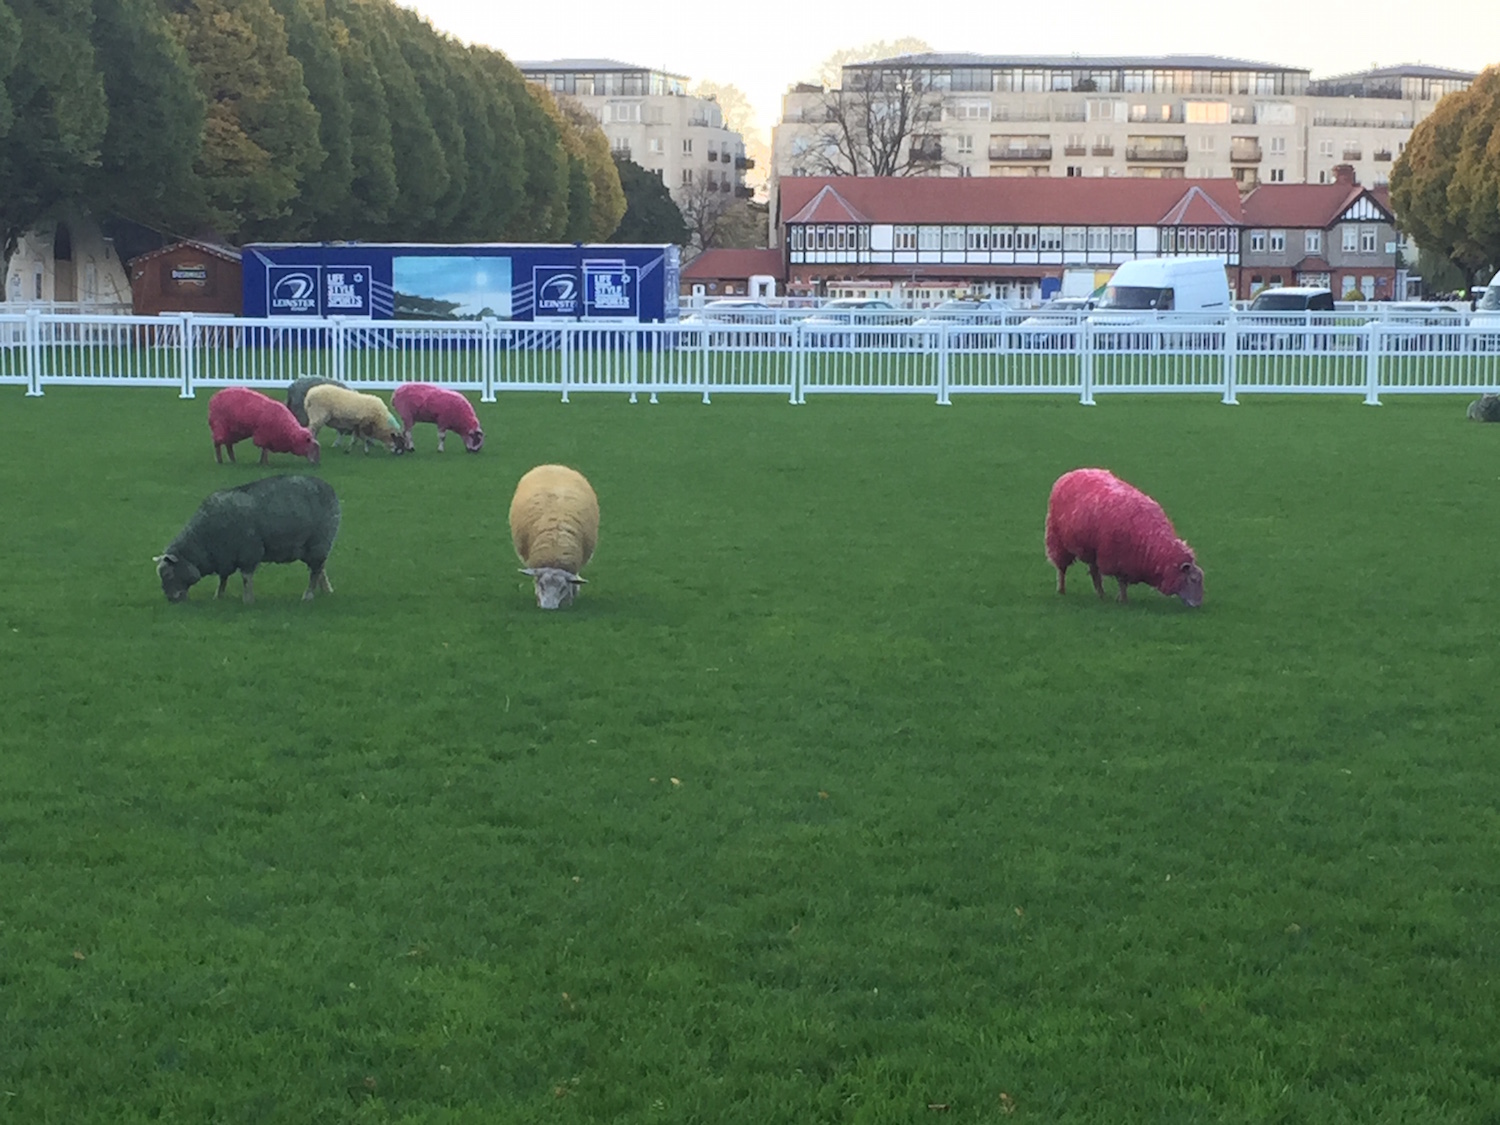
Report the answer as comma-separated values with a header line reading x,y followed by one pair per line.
x,y
787,352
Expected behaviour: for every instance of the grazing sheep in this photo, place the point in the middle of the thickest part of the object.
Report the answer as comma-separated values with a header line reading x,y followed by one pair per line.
x,y
359,415
1118,530
1486,408
554,524
423,402
296,394
276,519
237,413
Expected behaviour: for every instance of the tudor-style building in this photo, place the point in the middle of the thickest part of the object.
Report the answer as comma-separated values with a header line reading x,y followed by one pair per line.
x,y
928,238
1340,236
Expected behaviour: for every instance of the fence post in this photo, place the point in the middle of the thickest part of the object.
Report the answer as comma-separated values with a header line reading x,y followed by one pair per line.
x,y
488,343
566,343
799,359
1086,362
1372,362
1231,355
33,353
942,394
336,334
185,351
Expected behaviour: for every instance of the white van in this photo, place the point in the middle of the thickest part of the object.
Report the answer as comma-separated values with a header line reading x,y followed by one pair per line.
x,y
1486,316
1152,285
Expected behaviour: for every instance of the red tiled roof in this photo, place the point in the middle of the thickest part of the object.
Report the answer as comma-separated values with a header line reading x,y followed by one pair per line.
x,y
1316,206
1312,264
228,253
1005,199
735,265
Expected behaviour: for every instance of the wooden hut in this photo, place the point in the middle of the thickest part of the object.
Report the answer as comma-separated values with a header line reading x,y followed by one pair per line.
x,y
186,276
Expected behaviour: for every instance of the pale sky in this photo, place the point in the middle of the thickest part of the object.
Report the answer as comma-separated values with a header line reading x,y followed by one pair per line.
x,y
763,46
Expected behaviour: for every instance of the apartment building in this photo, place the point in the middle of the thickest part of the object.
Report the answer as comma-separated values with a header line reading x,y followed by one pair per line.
x,y
651,119
1167,117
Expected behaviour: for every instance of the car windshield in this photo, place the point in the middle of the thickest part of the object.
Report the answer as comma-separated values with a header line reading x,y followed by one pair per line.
x,y
1280,302
1491,300
1136,297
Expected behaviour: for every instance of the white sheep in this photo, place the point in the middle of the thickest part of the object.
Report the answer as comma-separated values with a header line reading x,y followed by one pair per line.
x,y
554,524
359,415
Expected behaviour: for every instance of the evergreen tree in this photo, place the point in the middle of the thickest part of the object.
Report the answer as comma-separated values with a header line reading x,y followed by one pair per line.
x,y
57,113
325,189
650,214
540,211
373,190
496,175
260,139
156,115
10,47
429,57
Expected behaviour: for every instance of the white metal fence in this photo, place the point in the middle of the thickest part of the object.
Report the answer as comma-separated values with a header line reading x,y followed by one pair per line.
x,y
1229,356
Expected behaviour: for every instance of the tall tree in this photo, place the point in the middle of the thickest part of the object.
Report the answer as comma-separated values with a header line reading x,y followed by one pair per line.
x,y
430,58
650,214
717,219
325,188
1446,176
497,158
156,114
373,190
10,47
541,211
882,121
596,202
421,168
58,114
260,140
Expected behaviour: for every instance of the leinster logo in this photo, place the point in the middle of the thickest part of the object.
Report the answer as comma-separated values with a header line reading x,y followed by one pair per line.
x,y
556,291
294,291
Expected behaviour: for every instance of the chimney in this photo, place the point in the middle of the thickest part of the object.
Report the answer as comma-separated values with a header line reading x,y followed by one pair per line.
x,y
1344,174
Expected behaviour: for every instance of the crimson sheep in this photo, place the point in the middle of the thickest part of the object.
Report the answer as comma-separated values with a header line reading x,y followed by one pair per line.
x,y
1119,531
237,413
424,402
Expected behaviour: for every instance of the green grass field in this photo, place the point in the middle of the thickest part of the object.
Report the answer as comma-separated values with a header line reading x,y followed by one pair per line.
x,y
820,805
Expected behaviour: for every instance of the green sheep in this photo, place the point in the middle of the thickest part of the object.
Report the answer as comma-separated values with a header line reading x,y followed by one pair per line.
x,y
1485,409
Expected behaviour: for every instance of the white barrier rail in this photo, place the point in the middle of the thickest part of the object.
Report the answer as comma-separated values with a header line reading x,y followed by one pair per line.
x,y
1228,355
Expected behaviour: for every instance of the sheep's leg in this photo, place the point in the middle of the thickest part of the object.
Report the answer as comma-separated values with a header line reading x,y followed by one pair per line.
x,y
1062,580
223,581
229,447
442,437
323,580
265,455
1098,579
248,577
1123,583
219,452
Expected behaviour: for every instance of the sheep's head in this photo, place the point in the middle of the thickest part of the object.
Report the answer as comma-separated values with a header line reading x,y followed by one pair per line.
x,y
474,440
177,576
555,587
1190,587
305,445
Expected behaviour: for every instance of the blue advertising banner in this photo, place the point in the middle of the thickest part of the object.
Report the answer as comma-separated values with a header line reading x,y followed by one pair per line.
x,y
479,281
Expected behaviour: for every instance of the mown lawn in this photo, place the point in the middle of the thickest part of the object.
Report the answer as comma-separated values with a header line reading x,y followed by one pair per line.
x,y
819,806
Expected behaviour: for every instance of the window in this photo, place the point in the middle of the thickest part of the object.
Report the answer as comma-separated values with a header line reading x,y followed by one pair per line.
x,y
1325,148
953,238
1123,238
687,146
1026,238
1351,239
1257,242
1207,113
1278,242
1367,240
1206,142
1002,238
654,144
966,145
979,238
1314,242
1074,238
906,238
929,238
970,111
1278,175
1075,169
1098,239
1278,146
1050,238
687,176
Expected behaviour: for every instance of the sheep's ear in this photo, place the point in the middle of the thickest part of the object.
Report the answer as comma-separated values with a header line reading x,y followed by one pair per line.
x,y
1186,568
573,578
159,559
527,570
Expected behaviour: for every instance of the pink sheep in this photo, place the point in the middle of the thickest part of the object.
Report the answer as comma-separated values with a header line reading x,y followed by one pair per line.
x,y
423,402
1116,529
237,413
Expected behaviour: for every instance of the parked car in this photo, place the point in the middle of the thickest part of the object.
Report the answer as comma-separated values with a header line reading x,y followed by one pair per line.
x,y
1061,315
733,310
1278,303
966,310
844,311
1485,323
1293,299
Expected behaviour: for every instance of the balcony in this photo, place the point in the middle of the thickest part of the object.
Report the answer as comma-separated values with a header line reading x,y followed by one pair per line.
x,y
1103,150
1247,152
744,163
622,153
1075,150
1156,154
1383,154
713,155
1033,153
927,152
743,192
1354,154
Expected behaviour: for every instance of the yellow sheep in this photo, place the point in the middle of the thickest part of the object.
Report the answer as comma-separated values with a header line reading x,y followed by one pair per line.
x,y
554,524
355,414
